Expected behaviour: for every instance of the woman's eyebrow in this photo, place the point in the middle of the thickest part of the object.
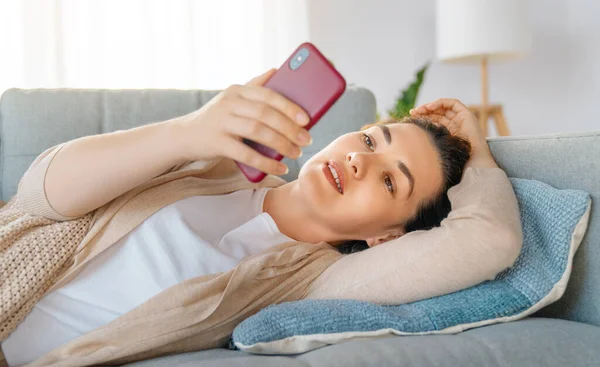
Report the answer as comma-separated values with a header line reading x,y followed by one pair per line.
x,y
386,134
406,171
401,165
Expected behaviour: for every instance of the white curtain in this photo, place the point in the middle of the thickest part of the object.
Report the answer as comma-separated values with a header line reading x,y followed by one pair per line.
x,y
186,44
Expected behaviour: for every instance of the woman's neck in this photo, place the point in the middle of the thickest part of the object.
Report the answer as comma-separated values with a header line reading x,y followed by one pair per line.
x,y
286,205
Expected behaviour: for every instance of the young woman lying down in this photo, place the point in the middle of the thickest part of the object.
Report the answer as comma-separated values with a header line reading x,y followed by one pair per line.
x,y
418,207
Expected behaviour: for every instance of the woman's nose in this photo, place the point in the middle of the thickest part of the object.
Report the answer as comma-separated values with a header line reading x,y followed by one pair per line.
x,y
357,164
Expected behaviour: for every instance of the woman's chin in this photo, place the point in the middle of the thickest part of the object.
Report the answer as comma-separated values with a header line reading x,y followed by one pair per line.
x,y
316,188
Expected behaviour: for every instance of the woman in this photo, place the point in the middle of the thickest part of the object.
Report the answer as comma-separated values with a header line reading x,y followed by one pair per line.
x,y
373,186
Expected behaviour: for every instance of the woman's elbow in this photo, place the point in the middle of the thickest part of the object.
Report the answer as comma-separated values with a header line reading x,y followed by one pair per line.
x,y
510,242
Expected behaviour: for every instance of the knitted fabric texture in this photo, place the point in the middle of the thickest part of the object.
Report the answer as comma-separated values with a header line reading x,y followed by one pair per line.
x,y
33,252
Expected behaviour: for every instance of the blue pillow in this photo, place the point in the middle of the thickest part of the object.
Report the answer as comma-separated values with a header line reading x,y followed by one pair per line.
x,y
554,222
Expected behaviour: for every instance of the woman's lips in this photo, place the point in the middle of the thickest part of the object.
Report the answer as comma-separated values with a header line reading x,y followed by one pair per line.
x,y
339,169
340,172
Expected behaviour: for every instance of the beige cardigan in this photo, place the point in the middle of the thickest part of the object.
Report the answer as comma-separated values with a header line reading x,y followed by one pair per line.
x,y
480,238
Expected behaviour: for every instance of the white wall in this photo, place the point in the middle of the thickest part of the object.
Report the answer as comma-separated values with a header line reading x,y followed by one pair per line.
x,y
380,44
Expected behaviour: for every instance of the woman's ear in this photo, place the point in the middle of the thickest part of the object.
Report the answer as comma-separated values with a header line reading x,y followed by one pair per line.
x,y
385,237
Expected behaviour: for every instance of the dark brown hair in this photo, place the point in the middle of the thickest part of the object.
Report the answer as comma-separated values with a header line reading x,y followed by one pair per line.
x,y
454,152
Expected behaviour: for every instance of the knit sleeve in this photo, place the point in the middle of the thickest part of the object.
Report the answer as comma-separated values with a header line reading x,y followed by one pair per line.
x,y
481,237
31,192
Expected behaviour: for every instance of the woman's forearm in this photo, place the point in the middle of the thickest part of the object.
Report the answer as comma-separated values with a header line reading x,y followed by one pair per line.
x,y
81,175
93,170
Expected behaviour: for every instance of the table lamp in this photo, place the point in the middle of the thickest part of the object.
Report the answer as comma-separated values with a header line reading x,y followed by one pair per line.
x,y
483,31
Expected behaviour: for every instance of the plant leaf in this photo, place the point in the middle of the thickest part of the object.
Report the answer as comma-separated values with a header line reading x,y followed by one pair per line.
x,y
408,97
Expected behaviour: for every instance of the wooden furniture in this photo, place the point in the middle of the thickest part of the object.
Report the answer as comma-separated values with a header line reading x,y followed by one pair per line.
x,y
495,112
484,111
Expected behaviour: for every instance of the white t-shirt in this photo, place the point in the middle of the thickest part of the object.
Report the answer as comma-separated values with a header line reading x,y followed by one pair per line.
x,y
192,237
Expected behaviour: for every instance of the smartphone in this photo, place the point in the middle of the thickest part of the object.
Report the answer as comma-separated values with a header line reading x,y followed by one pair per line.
x,y
308,79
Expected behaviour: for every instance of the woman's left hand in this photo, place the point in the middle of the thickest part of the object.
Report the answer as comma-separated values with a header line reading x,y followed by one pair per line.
x,y
457,118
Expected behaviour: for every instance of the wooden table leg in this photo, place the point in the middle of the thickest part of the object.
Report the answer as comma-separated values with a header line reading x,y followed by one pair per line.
x,y
501,125
484,114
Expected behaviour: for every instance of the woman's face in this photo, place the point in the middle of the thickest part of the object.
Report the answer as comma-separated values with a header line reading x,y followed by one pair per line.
x,y
385,172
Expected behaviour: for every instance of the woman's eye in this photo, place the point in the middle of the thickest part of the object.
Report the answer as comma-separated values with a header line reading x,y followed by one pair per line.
x,y
368,141
388,183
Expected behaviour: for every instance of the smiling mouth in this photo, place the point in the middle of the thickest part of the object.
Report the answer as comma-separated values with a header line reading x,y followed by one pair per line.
x,y
334,175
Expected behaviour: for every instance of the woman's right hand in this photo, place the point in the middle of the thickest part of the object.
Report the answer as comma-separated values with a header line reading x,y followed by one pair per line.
x,y
248,111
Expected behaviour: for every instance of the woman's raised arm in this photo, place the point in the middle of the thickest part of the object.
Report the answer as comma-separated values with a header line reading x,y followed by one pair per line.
x,y
77,177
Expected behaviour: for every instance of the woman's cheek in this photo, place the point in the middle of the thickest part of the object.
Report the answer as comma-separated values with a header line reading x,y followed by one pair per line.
x,y
365,196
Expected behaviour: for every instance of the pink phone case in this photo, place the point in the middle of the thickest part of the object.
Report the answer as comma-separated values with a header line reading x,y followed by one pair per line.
x,y
315,86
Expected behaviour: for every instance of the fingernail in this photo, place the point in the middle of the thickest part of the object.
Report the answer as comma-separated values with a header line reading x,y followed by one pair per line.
x,y
305,137
297,153
282,169
302,119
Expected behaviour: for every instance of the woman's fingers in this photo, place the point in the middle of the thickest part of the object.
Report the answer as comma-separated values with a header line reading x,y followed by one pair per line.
x,y
263,134
437,116
440,111
421,110
450,114
441,104
453,114
277,101
438,119
243,153
447,103
272,118
262,79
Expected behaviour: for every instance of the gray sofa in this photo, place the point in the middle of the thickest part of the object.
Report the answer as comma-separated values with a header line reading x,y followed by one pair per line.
x,y
566,333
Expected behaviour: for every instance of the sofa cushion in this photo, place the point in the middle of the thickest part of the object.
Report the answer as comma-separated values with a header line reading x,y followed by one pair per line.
x,y
528,342
554,222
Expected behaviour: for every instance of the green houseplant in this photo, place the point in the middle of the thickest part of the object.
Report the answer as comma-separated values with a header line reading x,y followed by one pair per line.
x,y
408,96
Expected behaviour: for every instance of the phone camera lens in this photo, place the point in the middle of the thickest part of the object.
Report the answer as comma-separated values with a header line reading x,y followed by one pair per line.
x,y
299,58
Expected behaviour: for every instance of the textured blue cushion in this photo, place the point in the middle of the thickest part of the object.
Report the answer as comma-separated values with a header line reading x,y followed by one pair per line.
x,y
554,222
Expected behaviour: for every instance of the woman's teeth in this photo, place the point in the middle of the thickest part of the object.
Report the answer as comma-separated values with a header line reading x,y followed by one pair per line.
x,y
337,179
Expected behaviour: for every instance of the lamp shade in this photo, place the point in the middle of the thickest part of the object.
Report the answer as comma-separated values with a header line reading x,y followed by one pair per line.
x,y
468,30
